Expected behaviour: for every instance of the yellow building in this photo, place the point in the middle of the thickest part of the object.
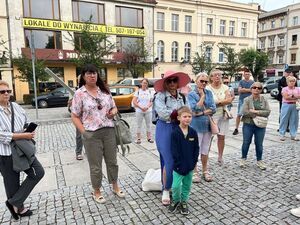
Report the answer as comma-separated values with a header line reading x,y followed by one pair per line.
x,y
52,21
181,26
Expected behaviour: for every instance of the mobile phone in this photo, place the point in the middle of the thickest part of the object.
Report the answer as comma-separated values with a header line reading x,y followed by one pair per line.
x,y
31,127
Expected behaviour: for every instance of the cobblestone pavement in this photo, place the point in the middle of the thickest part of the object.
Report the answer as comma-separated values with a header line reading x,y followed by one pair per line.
x,y
236,196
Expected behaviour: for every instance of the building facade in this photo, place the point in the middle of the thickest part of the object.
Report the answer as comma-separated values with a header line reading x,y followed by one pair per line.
x,y
278,34
182,26
51,23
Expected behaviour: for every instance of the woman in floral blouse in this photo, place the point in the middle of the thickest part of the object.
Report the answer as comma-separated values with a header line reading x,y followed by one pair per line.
x,y
93,110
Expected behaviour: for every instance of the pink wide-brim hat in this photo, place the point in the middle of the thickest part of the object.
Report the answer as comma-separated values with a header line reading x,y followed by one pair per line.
x,y
183,80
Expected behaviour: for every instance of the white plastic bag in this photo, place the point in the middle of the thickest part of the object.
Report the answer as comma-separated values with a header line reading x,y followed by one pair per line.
x,y
152,180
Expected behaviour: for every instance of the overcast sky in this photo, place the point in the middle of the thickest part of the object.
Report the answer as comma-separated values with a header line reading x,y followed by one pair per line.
x,y
270,4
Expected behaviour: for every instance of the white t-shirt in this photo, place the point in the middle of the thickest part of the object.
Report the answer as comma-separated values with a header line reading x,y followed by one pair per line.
x,y
143,99
218,94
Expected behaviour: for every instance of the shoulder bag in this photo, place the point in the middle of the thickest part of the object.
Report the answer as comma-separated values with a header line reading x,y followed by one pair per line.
x,y
123,134
260,121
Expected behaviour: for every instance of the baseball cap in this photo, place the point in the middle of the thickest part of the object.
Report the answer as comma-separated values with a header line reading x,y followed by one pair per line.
x,y
288,70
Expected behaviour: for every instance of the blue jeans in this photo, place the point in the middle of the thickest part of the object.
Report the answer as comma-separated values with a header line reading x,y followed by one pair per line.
x,y
163,144
289,116
259,133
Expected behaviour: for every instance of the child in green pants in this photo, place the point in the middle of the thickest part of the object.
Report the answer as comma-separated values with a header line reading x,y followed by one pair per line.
x,y
185,152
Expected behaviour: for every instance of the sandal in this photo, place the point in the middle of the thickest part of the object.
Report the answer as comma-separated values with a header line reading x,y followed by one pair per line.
x,y
207,177
100,199
196,178
150,140
119,193
295,139
138,141
165,198
28,212
79,157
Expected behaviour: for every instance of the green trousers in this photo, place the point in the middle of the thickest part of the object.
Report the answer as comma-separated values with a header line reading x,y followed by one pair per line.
x,y
181,186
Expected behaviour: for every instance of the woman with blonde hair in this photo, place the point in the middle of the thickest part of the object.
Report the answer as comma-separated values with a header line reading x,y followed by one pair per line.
x,y
222,98
202,105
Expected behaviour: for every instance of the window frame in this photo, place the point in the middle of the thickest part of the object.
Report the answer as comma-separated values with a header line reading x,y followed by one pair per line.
x,y
280,59
293,58
209,25
119,22
188,24
187,51
231,31
244,29
174,51
160,21
273,24
221,55
161,51
175,22
30,10
54,38
295,21
222,27
78,11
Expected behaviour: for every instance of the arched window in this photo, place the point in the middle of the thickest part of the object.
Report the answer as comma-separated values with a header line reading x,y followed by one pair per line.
x,y
187,52
174,51
161,51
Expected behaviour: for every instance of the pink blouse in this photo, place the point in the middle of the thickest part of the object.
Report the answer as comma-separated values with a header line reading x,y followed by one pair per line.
x,y
295,91
92,111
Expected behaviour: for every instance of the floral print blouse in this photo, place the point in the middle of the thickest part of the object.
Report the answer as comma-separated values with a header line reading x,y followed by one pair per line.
x,y
92,111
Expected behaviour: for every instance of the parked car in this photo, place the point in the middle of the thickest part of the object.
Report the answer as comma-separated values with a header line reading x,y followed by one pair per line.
x,y
57,97
270,84
136,81
123,95
275,91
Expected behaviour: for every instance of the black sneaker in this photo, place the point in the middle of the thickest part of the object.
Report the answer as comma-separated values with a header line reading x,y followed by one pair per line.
x,y
184,209
235,132
173,207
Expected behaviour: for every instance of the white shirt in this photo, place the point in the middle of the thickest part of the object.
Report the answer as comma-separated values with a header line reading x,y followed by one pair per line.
x,y
143,99
219,94
20,119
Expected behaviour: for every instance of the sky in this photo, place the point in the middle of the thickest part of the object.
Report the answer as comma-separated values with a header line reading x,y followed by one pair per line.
x,y
270,4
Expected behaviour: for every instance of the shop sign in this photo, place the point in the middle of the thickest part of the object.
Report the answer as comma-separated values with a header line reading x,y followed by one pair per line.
x,y
74,26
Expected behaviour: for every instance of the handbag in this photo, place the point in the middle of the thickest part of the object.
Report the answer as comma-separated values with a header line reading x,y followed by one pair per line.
x,y
213,126
226,113
298,105
260,121
122,131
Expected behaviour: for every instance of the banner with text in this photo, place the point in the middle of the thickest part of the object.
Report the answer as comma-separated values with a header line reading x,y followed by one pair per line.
x,y
74,26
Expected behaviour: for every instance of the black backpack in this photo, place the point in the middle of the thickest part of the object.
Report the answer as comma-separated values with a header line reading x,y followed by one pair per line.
x,y
155,114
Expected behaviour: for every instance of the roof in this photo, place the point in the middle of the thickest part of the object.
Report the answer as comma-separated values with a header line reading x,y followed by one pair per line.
x,y
273,13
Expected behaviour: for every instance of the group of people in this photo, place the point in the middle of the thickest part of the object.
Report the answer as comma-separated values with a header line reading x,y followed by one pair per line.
x,y
183,131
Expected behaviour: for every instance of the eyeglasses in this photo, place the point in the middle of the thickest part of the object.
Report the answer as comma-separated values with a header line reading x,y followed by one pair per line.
x,y
5,91
174,80
259,88
99,106
89,74
292,81
226,82
203,81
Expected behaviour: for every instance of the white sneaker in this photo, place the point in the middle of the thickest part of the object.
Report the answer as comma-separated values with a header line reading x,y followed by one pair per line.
x,y
243,163
261,165
298,196
296,212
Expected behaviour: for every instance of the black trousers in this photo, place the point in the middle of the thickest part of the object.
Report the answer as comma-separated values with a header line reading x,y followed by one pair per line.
x,y
17,193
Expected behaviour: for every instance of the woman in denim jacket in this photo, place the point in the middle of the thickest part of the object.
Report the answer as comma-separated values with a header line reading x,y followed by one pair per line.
x,y
254,105
202,105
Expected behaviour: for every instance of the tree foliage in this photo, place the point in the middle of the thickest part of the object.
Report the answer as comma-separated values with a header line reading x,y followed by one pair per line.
x,y
232,64
201,63
255,61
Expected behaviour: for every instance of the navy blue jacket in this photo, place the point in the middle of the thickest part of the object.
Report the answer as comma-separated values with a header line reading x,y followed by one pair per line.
x,y
185,150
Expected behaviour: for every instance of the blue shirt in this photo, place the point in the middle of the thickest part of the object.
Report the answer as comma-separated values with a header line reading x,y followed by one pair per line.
x,y
165,104
201,123
245,84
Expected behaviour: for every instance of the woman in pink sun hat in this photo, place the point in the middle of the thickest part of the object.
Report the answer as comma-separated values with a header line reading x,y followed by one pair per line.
x,y
166,102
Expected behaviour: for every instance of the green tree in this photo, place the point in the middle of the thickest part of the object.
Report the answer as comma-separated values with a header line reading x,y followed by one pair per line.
x,y
232,63
255,61
201,63
135,58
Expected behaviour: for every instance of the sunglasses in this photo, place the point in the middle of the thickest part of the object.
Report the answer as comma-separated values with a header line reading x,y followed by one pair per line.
x,y
174,80
5,91
225,82
203,81
99,106
259,88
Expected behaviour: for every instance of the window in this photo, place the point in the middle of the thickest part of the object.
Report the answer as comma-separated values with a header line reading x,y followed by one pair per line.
x,y
273,24
46,9
88,12
129,17
263,26
208,52
244,29
44,39
294,39
280,59
175,51
281,41
161,51
221,55
175,21
160,21
271,59
272,41
295,20
187,52
79,42
188,24
293,58
222,27
125,91
209,28
282,23
262,44
231,28
124,43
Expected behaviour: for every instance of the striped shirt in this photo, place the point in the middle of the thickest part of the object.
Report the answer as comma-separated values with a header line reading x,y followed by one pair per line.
x,y
5,126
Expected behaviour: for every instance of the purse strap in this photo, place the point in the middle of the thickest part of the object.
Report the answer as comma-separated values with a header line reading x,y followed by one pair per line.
x,y
12,117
